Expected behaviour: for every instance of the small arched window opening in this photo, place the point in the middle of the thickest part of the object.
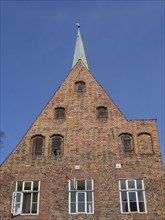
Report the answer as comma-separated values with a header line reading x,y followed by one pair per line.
x,y
126,141
59,113
80,86
57,141
37,145
102,112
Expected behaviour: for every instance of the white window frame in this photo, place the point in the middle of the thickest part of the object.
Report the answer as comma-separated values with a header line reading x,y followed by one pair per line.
x,y
135,190
23,192
15,203
85,195
78,202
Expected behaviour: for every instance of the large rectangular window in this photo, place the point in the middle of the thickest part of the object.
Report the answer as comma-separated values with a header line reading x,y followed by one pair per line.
x,y
132,196
81,197
26,198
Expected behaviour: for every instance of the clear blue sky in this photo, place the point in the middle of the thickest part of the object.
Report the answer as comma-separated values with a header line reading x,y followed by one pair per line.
x,y
124,42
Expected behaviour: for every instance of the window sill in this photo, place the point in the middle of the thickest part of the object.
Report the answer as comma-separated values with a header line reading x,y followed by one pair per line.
x,y
133,213
28,214
81,213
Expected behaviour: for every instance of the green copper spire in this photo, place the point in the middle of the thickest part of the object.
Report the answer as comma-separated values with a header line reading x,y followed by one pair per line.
x,y
79,53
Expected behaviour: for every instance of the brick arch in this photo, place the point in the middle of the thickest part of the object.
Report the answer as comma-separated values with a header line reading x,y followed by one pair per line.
x,y
38,135
145,143
56,134
125,133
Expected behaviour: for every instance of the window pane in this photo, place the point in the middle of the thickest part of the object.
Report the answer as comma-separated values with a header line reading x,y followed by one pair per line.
x,y
102,112
131,184
123,184
27,186
73,196
89,196
56,145
140,196
81,197
80,184
35,185
81,202
141,207
60,113
124,196
17,208
72,185
81,207
126,141
26,203
89,185
18,198
34,208
19,186
139,184
38,149
37,145
17,202
89,207
124,207
133,206
73,207
132,196
56,142
80,86
35,197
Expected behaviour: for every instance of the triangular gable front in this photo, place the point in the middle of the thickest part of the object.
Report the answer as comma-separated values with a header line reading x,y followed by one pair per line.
x,y
80,111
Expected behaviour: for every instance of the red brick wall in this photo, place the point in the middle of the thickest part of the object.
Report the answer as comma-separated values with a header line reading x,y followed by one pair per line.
x,y
91,143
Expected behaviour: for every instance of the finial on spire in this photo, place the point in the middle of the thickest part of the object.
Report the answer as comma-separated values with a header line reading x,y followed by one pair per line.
x,y
78,25
79,53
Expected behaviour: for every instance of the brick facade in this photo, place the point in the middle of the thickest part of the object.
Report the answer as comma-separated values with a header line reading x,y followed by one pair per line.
x,y
95,145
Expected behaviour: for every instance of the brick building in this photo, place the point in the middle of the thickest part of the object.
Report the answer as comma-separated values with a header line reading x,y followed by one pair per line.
x,y
82,159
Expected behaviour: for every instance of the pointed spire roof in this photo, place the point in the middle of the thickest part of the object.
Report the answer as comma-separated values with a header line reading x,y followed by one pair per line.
x,y
79,53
